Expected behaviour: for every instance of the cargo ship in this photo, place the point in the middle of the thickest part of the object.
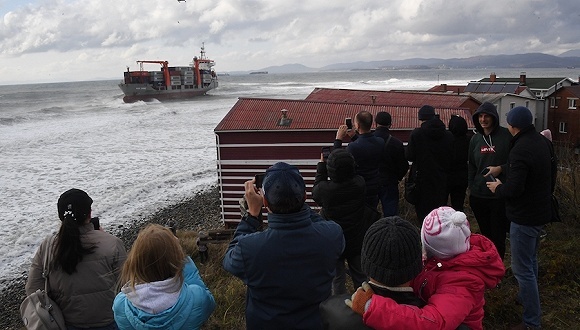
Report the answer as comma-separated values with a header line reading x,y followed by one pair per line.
x,y
171,82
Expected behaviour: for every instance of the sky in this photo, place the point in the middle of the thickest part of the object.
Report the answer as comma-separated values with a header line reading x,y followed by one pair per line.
x,y
76,40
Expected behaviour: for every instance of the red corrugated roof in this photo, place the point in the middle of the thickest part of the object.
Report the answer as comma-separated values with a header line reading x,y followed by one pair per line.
x,y
406,98
264,114
449,89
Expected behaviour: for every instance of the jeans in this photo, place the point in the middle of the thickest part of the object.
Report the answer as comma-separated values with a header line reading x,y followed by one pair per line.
x,y
389,196
524,242
356,273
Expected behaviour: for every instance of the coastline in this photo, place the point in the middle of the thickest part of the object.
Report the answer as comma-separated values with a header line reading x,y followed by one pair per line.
x,y
199,212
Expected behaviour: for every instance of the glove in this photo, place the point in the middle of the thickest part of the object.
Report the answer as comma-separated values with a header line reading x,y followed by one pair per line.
x,y
360,299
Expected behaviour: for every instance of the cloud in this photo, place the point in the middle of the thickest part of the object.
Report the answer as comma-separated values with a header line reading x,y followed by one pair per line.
x,y
252,34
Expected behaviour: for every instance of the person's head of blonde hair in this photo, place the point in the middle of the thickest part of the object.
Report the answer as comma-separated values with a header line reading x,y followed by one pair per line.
x,y
156,255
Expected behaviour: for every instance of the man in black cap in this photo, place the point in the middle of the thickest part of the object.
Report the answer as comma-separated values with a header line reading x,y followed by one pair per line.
x,y
430,150
527,191
287,268
393,165
391,258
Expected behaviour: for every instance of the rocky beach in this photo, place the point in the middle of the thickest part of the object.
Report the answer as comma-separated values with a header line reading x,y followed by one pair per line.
x,y
197,213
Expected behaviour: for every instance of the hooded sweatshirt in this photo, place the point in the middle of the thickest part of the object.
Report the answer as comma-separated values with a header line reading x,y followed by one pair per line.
x,y
453,289
486,150
165,304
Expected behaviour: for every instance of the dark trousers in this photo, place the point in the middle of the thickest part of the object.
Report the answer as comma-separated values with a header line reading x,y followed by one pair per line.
x,y
389,197
457,196
492,220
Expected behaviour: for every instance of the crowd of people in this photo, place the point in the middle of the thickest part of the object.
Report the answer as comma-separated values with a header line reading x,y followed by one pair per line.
x,y
296,268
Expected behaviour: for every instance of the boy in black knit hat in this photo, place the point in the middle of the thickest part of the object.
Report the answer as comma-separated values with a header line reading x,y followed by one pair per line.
x,y
390,257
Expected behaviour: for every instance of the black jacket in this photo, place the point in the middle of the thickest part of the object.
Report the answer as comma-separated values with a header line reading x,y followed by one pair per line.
x,y
365,149
393,166
336,315
430,150
528,185
344,203
458,169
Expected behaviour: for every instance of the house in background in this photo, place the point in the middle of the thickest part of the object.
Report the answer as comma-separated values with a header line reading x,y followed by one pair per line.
x,y
564,117
540,87
257,132
506,96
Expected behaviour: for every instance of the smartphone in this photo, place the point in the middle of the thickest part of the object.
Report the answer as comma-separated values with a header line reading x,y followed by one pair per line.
x,y
348,122
326,152
96,223
490,178
259,179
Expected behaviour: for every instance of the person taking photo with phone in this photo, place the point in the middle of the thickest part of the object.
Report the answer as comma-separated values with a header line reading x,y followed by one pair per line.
x,y
366,150
288,267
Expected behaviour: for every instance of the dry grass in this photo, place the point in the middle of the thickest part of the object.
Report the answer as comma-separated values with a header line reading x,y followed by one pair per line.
x,y
559,266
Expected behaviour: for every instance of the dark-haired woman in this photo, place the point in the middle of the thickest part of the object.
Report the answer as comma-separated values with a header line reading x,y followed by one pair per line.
x,y
84,266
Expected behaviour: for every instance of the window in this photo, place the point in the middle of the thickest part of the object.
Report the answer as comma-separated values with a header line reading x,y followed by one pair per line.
x,y
512,105
572,103
563,127
528,104
552,102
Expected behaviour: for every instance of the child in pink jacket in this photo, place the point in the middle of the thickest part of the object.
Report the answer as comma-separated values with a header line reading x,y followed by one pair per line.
x,y
459,267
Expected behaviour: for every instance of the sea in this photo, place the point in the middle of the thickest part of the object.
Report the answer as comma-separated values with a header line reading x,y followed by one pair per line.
x,y
134,159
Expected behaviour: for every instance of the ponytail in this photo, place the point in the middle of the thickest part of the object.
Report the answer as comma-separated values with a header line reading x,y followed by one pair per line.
x,y
74,208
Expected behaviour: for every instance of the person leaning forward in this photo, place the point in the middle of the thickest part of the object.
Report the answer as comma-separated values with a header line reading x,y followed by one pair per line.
x,y
288,268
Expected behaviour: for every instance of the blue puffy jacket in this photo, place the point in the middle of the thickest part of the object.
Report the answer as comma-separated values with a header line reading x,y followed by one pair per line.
x,y
193,307
288,268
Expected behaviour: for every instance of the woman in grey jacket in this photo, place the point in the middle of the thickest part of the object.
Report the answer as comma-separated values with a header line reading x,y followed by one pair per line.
x,y
84,266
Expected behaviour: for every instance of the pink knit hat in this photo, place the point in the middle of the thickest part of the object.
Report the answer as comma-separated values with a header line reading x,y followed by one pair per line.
x,y
445,233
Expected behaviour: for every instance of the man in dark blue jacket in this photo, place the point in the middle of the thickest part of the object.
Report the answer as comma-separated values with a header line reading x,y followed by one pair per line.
x,y
366,150
288,268
527,190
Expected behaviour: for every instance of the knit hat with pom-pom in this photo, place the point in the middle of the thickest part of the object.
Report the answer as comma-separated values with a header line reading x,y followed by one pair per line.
x,y
445,233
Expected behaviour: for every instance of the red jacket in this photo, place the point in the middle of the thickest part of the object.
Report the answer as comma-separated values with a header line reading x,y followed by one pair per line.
x,y
453,289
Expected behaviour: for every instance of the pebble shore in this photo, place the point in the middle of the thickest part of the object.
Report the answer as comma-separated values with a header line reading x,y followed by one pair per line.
x,y
200,212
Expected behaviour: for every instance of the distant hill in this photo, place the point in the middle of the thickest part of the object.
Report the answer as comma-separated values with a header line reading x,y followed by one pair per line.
x,y
571,53
529,60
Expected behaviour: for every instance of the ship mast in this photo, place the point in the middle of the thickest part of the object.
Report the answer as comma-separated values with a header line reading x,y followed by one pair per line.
x,y
202,52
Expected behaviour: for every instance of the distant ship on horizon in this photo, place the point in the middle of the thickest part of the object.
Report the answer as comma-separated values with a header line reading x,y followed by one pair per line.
x,y
259,72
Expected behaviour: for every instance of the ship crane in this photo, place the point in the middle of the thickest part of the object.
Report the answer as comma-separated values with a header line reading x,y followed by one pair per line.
x,y
165,70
